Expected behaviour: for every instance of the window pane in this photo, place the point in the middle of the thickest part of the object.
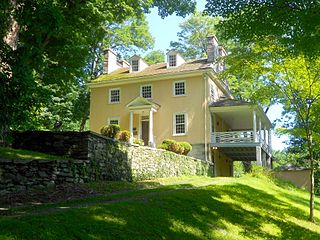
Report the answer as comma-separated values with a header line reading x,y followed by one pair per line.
x,y
172,60
180,124
179,88
115,95
135,65
114,121
146,91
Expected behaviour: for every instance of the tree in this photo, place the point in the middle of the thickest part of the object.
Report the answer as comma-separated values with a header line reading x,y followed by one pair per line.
x,y
295,24
292,80
192,41
153,57
55,40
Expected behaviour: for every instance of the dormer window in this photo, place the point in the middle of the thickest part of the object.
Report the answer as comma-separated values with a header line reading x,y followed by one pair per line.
x,y
135,65
172,60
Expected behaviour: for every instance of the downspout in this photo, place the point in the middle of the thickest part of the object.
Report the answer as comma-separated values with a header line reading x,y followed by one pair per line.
x,y
205,118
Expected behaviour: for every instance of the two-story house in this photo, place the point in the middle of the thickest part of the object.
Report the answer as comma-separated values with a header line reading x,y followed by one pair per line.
x,y
184,101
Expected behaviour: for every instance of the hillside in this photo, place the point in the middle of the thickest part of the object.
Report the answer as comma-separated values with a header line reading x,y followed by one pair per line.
x,y
174,208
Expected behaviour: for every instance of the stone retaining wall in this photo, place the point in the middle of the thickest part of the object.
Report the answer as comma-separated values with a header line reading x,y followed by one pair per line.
x,y
94,158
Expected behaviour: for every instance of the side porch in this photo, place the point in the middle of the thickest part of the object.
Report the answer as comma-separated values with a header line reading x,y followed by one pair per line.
x,y
240,132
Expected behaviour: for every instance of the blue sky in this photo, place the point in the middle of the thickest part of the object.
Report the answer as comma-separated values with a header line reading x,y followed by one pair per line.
x,y
165,30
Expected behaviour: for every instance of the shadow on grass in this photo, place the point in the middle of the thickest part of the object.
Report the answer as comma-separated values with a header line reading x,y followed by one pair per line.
x,y
234,211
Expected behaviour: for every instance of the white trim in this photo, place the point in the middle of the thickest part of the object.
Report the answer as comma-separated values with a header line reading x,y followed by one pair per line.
x,y
185,124
146,85
113,89
113,118
168,60
174,89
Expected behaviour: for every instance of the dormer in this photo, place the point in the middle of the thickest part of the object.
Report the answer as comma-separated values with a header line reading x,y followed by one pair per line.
x,y
137,64
174,59
110,61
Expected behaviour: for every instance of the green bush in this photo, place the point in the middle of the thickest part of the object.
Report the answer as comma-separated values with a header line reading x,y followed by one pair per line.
x,y
138,141
166,143
124,136
110,131
176,148
186,147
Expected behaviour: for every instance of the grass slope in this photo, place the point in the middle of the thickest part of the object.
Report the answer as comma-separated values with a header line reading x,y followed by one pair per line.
x,y
228,208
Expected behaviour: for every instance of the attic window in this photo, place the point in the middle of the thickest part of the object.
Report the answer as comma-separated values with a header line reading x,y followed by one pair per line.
x,y
172,60
135,65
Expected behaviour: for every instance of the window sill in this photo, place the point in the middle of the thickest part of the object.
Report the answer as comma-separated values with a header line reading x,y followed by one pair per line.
x,y
179,134
184,95
114,102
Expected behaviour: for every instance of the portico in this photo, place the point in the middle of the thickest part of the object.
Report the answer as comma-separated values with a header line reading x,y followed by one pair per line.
x,y
145,110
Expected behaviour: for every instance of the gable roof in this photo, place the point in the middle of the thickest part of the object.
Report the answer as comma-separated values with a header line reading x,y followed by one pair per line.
x,y
141,102
154,69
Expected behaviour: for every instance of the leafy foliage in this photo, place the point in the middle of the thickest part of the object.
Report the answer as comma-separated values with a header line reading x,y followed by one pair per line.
x,y
153,57
124,136
192,41
295,24
111,130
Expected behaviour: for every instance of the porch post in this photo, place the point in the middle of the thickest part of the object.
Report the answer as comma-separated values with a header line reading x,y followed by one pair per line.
x,y
254,119
151,140
131,126
258,156
269,140
260,137
264,135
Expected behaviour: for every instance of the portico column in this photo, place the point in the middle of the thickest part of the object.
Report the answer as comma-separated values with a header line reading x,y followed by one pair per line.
x,y
151,140
131,127
254,119
264,135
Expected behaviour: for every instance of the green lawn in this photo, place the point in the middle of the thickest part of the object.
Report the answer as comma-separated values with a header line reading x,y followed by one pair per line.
x,y
11,153
227,208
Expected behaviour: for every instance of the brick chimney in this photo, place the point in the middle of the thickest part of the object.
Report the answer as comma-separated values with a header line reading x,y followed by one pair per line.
x,y
110,63
212,49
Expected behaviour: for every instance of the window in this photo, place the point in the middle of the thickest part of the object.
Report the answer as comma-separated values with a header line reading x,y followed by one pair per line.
x,y
114,95
180,124
146,91
172,60
179,88
114,120
135,65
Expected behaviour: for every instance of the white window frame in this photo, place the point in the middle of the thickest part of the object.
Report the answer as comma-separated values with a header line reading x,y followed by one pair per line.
x,y
113,89
146,85
135,65
169,62
174,133
113,119
174,88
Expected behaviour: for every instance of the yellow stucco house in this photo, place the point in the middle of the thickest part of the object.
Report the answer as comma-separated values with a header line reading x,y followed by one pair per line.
x,y
184,101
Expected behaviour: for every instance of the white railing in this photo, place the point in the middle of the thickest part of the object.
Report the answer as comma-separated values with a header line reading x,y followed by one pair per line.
x,y
233,137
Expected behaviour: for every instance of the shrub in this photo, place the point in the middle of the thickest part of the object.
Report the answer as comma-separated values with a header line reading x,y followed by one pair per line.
x,y
166,143
176,148
138,141
186,147
110,131
124,136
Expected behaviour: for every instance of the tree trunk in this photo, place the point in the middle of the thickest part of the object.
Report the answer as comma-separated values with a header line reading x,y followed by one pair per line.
x,y
310,149
84,120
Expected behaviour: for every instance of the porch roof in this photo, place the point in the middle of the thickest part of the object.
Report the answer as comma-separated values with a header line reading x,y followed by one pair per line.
x,y
141,103
238,114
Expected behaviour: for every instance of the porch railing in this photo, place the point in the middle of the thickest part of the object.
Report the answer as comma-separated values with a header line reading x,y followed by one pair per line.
x,y
233,137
